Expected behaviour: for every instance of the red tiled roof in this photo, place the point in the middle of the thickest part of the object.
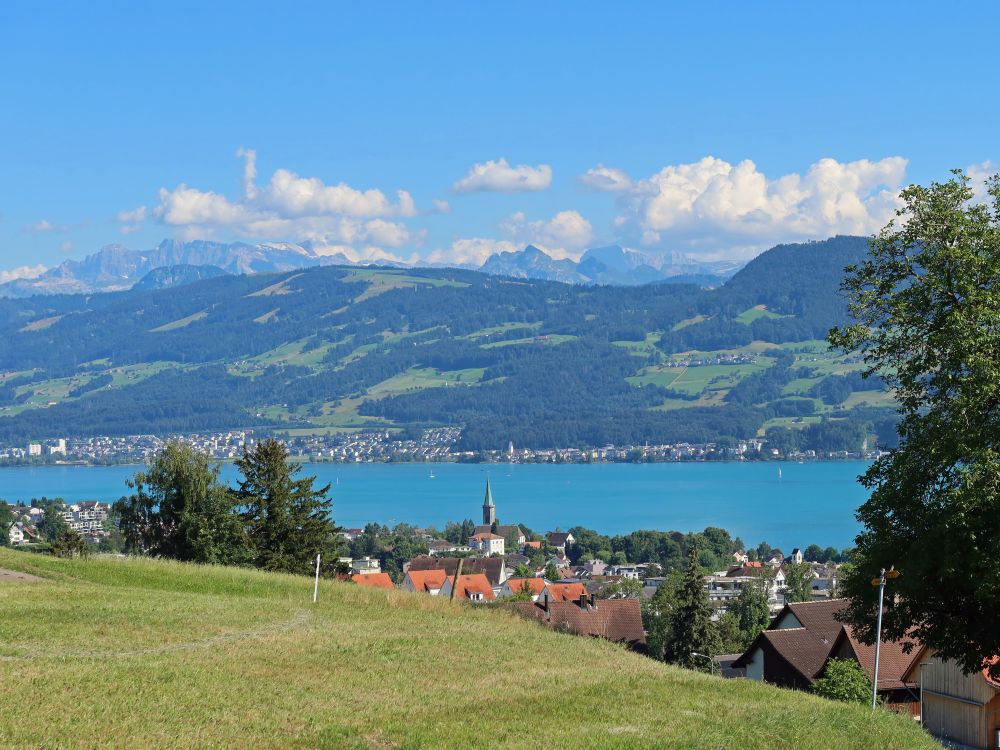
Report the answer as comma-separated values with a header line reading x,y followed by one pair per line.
x,y
486,536
617,620
566,592
491,567
425,580
535,585
533,545
476,583
374,580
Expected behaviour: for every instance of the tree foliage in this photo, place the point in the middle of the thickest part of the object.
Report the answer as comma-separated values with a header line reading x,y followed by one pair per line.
x,y
844,680
287,518
926,304
179,509
751,610
693,631
798,582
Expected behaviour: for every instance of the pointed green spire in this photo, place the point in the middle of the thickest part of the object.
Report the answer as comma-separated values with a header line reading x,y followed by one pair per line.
x,y
489,495
489,511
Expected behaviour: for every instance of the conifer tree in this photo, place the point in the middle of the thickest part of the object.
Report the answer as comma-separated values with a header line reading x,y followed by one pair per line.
x,y
287,518
693,631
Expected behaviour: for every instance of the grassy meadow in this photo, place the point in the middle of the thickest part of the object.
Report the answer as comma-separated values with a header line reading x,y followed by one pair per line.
x,y
136,653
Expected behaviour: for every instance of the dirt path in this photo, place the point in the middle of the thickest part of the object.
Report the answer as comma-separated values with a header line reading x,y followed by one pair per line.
x,y
13,575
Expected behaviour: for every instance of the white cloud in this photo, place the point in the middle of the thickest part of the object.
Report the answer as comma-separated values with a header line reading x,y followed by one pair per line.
x,y
287,208
978,174
500,177
42,226
564,235
722,209
22,272
132,217
606,179
472,251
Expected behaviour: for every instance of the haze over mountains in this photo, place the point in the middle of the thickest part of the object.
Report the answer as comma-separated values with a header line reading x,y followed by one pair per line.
x,y
116,268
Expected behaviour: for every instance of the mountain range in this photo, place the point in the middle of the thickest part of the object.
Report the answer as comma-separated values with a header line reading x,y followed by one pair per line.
x,y
117,268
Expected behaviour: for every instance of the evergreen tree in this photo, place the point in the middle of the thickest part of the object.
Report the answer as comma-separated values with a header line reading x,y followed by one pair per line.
x,y
70,544
287,518
693,631
52,523
180,510
6,519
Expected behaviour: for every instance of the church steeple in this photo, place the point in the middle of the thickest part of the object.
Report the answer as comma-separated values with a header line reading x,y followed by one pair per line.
x,y
489,510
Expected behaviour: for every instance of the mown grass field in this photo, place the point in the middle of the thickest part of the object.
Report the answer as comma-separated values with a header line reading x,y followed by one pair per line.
x,y
142,654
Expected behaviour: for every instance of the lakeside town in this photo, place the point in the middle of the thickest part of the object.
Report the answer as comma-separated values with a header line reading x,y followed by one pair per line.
x,y
382,446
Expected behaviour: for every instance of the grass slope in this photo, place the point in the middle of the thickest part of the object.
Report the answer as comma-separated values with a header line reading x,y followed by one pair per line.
x,y
140,653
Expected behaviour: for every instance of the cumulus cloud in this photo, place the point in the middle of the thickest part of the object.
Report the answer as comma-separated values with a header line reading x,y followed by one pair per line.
x,y
22,272
607,179
564,235
132,217
978,174
288,207
723,209
472,251
500,177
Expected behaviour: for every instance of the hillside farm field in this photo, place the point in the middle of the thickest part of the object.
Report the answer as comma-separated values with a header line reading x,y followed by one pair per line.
x,y
180,656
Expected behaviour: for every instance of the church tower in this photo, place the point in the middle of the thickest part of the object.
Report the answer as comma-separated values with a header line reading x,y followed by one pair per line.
x,y
489,510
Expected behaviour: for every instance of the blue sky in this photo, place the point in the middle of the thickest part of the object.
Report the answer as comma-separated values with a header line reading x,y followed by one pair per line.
x,y
714,130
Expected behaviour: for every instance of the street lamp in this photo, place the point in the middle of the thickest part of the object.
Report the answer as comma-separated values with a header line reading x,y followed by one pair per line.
x,y
891,574
711,661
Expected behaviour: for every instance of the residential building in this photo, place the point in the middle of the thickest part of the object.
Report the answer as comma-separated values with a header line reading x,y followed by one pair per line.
x,y
474,587
618,620
487,543
725,587
562,592
956,707
16,534
374,580
443,547
492,567
424,581
561,540
514,586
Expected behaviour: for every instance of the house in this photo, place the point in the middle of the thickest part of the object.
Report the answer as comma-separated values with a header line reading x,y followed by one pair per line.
x,y
795,647
424,581
894,660
514,586
595,567
531,546
487,543
442,546
366,565
514,532
957,707
351,534
562,592
724,587
474,587
618,620
16,534
804,636
561,540
492,567
374,580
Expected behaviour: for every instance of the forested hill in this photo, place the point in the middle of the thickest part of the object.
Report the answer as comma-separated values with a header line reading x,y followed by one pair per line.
x,y
541,363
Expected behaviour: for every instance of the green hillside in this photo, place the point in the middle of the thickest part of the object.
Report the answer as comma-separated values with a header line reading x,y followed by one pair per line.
x,y
541,363
182,656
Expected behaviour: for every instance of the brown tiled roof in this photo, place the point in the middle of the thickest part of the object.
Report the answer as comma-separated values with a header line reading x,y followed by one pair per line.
x,y
617,620
893,663
803,651
817,617
374,580
491,567
558,538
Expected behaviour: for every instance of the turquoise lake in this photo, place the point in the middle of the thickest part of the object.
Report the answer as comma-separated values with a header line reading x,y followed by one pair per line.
x,y
810,503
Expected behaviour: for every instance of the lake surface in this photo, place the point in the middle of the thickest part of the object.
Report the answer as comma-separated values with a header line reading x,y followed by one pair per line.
x,y
809,503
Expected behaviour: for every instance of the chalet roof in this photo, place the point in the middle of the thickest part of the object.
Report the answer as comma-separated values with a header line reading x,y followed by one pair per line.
x,y
475,583
893,661
425,580
800,649
617,620
558,538
491,567
374,580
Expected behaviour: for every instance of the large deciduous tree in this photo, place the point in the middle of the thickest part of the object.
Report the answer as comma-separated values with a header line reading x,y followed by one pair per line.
x,y
287,517
179,509
926,303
